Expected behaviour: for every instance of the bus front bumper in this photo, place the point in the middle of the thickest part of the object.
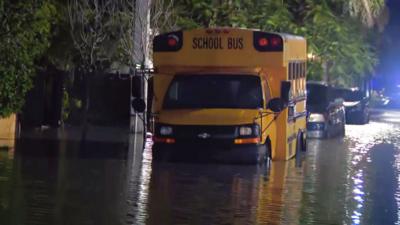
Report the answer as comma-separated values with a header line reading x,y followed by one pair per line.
x,y
243,153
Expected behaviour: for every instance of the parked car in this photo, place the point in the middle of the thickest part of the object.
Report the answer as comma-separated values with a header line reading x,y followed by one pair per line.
x,y
393,95
356,105
326,114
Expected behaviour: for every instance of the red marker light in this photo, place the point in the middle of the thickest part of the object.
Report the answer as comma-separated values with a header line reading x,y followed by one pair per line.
x,y
263,42
172,42
276,41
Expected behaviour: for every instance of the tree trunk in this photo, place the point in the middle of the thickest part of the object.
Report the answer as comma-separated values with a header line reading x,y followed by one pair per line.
x,y
85,104
325,75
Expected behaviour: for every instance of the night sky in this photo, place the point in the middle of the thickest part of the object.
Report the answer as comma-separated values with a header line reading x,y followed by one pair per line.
x,y
389,67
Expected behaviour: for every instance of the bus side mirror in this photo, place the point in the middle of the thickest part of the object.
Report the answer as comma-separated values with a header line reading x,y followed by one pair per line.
x,y
139,105
285,91
276,105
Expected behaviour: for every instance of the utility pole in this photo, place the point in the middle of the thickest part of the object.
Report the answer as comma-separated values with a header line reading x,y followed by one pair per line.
x,y
141,57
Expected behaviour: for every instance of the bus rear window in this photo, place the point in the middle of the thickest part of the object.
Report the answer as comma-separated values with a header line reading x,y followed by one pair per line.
x,y
214,91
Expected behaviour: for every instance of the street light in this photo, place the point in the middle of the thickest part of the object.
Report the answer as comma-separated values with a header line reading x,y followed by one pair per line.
x,y
311,56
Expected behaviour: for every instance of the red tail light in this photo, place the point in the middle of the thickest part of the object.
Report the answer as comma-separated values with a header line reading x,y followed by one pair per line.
x,y
276,41
164,140
169,42
263,42
172,42
267,42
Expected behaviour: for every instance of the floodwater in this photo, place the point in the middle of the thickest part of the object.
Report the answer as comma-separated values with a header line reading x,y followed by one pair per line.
x,y
355,180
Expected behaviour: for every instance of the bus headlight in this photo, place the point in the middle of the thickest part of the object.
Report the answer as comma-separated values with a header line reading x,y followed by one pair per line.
x,y
316,117
245,131
249,130
166,130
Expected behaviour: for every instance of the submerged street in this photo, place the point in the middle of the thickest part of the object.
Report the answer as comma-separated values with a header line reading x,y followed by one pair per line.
x,y
351,180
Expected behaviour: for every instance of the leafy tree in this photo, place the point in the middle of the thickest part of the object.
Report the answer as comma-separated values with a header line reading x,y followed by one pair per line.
x,y
61,52
25,29
341,43
337,31
211,13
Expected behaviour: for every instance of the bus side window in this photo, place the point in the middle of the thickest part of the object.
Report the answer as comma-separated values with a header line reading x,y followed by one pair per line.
x,y
291,79
291,112
298,76
303,80
296,79
294,82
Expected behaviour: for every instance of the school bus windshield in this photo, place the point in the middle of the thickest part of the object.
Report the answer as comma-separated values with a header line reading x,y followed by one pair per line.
x,y
214,91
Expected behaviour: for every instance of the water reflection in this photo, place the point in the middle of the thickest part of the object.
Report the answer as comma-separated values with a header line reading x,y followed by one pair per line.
x,y
139,174
225,194
372,177
6,164
355,180
52,182
325,183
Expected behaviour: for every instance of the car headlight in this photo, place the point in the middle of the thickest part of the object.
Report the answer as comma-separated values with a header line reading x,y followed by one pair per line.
x,y
249,130
166,130
316,117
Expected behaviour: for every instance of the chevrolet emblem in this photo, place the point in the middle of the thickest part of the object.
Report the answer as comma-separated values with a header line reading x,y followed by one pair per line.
x,y
204,135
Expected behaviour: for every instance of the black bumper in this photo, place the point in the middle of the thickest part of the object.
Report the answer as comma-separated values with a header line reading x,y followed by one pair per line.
x,y
198,152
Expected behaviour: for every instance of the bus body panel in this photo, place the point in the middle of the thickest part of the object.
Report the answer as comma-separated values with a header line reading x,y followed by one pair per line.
x,y
272,67
209,116
295,49
240,56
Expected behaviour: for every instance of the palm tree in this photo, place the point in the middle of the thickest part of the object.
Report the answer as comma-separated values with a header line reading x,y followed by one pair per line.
x,y
367,10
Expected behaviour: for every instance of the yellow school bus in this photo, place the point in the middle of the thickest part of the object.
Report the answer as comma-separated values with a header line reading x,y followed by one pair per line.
x,y
230,94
